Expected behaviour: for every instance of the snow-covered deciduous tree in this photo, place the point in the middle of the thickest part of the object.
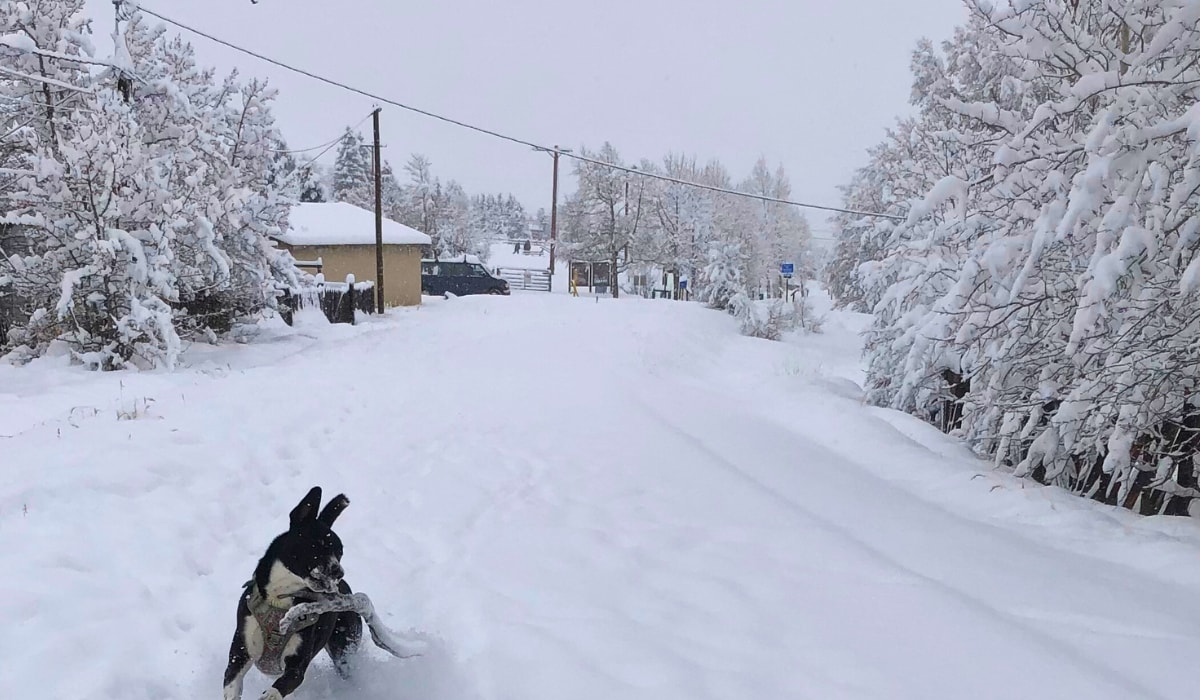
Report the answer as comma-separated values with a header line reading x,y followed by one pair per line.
x,y
418,208
1040,297
680,220
143,211
607,211
456,236
93,278
637,219
775,232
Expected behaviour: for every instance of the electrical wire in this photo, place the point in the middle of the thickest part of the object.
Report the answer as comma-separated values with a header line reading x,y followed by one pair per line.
x,y
724,190
328,144
497,134
297,171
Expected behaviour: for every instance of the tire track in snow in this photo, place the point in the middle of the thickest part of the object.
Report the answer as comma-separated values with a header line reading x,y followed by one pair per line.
x,y
1038,637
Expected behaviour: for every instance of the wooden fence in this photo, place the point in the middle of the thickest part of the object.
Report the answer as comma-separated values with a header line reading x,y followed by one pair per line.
x,y
8,314
337,300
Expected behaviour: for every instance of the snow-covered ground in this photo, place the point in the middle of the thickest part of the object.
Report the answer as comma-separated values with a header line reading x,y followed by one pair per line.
x,y
593,500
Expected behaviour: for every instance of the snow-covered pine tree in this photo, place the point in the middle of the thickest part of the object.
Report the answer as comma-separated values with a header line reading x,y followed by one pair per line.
x,y
391,193
283,172
311,183
353,181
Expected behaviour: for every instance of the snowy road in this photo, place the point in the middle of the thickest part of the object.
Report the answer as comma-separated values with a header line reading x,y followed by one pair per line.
x,y
594,501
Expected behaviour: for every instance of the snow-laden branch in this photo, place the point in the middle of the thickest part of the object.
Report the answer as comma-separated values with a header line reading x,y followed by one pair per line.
x,y
44,79
24,44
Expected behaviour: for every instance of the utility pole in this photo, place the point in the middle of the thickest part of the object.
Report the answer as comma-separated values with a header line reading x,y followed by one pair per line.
x,y
553,217
378,217
554,153
124,80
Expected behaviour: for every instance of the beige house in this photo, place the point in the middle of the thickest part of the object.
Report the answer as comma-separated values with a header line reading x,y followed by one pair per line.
x,y
338,239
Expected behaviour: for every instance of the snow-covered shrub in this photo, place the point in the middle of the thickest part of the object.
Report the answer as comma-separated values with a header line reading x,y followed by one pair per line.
x,y
805,315
721,283
768,319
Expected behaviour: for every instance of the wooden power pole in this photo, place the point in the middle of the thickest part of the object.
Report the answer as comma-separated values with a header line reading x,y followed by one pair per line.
x,y
554,215
378,218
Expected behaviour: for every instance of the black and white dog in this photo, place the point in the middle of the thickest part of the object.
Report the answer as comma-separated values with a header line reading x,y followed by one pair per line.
x,y
301,565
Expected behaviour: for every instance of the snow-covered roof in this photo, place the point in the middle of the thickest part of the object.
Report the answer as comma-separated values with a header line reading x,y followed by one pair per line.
x,y
339,223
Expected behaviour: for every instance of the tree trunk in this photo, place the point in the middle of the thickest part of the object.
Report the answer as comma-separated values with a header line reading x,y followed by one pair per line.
x,y
614,276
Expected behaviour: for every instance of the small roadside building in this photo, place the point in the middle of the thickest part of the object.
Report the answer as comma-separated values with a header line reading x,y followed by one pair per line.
x,y
338,239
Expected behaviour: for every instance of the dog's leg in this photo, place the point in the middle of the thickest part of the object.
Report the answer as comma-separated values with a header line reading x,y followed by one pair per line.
x,y
239,663
294,667
344,642
346,637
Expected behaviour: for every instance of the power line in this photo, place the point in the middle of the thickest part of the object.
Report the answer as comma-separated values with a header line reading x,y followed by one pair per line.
x,y
334,83
724,190
325,150
496,134
306,150
327,145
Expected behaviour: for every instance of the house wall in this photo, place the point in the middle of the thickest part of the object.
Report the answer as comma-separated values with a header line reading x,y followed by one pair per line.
x,y
401,267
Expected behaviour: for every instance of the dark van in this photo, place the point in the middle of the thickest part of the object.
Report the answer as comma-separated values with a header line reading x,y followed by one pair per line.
x,y
459,277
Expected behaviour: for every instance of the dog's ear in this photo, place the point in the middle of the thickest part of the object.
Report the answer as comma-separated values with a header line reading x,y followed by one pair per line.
x,y
333,509
307,509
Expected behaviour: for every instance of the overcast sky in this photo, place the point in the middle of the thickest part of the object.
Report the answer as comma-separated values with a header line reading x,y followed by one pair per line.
x,y
806,83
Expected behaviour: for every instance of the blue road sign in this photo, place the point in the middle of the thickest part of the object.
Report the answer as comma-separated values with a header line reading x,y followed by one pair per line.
x,y
683,284
787,269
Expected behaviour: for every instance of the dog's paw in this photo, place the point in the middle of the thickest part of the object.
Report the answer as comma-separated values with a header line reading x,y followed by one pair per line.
x,y
271,694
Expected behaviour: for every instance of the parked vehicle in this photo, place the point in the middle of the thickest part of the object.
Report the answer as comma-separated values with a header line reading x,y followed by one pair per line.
x,y
460,277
